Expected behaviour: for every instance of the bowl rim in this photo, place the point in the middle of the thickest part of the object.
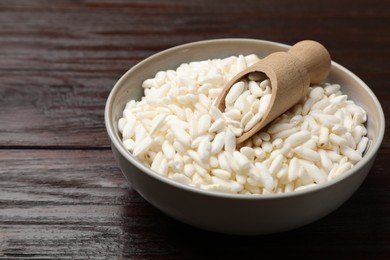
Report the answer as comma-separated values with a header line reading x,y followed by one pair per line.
x,y
317,188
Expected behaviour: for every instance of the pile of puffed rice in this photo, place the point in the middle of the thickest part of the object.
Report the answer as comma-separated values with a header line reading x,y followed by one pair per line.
x,y
177,132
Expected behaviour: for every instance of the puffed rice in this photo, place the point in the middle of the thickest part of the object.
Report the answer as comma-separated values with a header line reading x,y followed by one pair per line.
x,y
177,131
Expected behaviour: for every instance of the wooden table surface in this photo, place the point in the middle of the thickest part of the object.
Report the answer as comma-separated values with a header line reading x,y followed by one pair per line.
x,y
62,194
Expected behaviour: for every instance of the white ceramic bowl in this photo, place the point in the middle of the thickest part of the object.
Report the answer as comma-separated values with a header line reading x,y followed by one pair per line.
x,y
228,213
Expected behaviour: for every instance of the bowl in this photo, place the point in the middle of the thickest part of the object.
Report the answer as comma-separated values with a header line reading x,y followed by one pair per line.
x,y
236,213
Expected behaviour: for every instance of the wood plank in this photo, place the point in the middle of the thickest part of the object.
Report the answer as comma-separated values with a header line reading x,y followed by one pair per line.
x,y
63,203
51,170
63,109
94,34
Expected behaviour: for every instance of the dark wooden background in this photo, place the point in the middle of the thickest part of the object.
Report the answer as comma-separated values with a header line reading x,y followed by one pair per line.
x,y
61,192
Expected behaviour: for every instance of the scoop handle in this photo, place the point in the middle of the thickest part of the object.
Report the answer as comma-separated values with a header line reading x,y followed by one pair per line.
x,y
314,57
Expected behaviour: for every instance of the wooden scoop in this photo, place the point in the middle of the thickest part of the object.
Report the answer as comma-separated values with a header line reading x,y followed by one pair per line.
x,y
290,74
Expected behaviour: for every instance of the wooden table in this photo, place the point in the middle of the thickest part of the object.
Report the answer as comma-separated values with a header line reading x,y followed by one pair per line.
x,y
62,194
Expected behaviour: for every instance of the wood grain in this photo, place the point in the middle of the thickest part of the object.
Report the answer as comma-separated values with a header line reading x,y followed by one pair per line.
x,y
62,194
52,108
